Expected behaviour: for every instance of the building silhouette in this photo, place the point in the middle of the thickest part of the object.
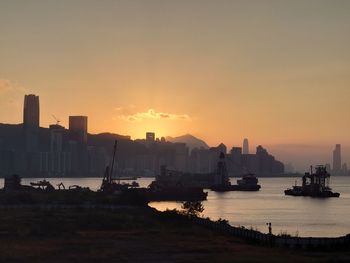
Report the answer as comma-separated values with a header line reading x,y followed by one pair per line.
x,y
31,122
78,126
33,151
150,138
337,160
245,146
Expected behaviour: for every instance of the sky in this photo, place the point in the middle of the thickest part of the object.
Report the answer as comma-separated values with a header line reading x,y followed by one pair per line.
x,y
276,72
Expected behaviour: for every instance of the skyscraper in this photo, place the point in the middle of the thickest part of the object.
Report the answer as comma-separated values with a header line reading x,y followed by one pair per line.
x,y
337,159
56,138
31,113
78,129
245,146
31,121
150,138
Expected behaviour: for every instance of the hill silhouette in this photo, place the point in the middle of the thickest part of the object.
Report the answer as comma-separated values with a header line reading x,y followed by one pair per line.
x,y
191,141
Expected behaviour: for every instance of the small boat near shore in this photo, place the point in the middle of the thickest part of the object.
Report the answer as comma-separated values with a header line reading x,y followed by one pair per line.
x,y
314,185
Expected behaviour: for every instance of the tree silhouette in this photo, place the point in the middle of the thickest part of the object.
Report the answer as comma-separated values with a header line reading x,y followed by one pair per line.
x,y
192,209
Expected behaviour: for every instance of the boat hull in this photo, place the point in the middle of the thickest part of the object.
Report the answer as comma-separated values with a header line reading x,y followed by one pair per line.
x,y
325,194
229,188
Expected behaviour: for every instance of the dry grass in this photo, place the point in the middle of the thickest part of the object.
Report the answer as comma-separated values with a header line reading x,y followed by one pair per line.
x,y
129,235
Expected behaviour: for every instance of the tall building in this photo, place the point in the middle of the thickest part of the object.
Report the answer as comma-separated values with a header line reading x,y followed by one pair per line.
x,y
245,146
31,113
236,154
78,129
235,166
31,122
150,138
77,145
56,137
337,159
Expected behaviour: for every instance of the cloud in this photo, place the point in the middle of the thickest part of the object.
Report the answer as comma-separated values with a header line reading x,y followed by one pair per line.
x,y
152,114
5,85
9,86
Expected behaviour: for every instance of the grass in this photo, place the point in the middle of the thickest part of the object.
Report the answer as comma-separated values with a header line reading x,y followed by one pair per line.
x,y
128,235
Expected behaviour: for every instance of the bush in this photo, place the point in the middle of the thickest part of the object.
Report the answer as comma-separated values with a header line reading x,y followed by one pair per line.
x,y
192,209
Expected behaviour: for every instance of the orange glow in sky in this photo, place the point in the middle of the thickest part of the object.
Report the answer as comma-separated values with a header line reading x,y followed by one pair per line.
x,y
273,72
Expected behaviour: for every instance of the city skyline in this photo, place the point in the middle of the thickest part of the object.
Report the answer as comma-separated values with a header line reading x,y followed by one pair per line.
x,y
32,150
78,131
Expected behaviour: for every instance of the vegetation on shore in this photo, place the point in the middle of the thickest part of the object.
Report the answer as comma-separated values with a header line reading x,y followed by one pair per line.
x,y
130,234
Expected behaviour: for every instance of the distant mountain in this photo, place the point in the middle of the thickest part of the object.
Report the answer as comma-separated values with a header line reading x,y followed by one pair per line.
x,y
190,140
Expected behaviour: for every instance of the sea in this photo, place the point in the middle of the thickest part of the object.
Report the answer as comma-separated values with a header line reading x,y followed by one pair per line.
x,y
296,216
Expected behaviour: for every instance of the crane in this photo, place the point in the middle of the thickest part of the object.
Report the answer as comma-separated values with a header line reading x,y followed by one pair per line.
x,y
57,120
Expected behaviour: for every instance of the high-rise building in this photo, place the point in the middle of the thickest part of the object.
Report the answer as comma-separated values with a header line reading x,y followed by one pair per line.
x,y
78,144
150,138
78,129
31,122
245,146
31,114
56,137
337,159
236,158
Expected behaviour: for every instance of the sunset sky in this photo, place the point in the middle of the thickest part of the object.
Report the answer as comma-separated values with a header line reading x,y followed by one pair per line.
x,y
277,72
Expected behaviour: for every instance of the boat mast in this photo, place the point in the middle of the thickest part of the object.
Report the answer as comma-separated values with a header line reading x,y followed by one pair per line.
x,y
111,171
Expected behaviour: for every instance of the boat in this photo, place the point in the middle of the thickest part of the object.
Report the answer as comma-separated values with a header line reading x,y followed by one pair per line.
x,y
248,182
167,187
170,185
314,185
161,191
109,184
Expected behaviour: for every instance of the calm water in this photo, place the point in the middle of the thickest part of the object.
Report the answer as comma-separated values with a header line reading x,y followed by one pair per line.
x,y
303,215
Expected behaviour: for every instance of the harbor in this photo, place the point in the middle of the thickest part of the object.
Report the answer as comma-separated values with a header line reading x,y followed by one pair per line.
x,y
305,216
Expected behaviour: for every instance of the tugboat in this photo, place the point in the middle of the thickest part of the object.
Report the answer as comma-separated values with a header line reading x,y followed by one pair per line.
x,y
314,185
222,183
248,182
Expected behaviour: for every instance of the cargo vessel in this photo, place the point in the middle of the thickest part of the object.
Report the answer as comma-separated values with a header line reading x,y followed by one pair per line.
x,y
170,186
167,186
314,185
